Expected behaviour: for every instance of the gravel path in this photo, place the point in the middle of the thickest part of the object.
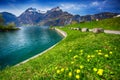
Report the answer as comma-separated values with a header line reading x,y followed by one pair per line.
x,y
112,32
109,31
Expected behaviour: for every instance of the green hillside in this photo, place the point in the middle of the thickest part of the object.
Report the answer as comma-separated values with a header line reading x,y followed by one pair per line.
x,y
110,24
81,55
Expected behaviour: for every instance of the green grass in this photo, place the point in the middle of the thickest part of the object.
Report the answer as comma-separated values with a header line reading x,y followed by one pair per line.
x,y
74,57
110,24
8,27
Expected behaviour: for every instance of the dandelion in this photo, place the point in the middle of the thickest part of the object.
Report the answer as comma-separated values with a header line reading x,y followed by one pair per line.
x,y
56,67
78,71
99,53
81,51
62,69
72,62
100,72
95,69
88,60
100,50
66,69
81,66
70,50
75,56
70,74
96,50
106,55
92,56
110,52
88,56
58,71
77,77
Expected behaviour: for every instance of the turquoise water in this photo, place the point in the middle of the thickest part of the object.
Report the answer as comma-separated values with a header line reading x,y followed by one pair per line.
x,y
17,46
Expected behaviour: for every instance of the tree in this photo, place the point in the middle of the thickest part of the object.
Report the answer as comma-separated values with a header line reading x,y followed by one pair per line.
x,y
1,20
11,25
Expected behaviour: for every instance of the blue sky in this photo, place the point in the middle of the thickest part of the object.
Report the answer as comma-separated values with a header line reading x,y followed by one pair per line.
x,y
81,7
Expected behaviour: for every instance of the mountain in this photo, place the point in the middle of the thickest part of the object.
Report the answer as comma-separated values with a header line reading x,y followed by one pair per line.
x,y
56,17
76,18
99,16
53,17
9,17
30,16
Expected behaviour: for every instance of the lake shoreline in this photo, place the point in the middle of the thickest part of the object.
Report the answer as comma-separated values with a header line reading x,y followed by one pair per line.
x,y
64,34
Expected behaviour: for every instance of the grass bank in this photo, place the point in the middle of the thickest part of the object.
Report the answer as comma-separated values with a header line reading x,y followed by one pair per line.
x,y
108,24
81,55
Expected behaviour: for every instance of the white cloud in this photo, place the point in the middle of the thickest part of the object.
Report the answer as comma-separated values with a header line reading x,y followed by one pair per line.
x,y
104,2
42,8
13,11
69,6
95,3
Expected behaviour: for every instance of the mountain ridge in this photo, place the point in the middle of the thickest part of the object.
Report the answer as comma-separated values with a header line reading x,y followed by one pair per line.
x,y
55,17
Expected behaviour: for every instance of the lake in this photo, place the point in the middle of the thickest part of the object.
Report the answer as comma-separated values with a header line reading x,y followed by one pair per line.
x,y
17,46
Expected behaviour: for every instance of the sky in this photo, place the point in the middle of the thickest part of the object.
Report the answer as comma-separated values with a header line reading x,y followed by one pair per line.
x,y
81,7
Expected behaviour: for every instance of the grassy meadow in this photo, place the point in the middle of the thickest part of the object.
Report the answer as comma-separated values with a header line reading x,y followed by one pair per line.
x,y
80,56
108,24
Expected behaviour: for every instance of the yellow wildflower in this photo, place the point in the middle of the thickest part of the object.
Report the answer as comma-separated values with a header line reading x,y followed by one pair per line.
x,y
81,51
88,60
96,50
77,77
75,56
62,69
66,69
92,56
81,66
78,71
88,56
100,72
58,71
70,50
72,62
95,69
56,67
110,52
99,53
70,74
99,50
106,55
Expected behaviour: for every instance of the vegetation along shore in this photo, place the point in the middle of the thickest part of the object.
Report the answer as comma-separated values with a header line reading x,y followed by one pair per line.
x,y
7,27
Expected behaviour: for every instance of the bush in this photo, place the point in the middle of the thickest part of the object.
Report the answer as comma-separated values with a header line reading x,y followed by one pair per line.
x,y
11,25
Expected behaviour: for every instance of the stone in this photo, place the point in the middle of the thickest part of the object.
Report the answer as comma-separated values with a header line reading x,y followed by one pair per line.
x,y
84,29
78,29
98,30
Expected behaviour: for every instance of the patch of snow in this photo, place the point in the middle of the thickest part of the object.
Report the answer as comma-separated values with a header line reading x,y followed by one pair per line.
x,y
39,11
